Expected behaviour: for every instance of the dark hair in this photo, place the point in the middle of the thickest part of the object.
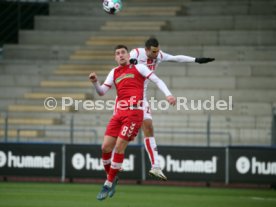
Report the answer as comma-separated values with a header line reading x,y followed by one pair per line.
x,y
151,42
120,47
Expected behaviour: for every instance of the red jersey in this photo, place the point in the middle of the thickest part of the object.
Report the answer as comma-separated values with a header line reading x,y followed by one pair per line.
x,y
129,82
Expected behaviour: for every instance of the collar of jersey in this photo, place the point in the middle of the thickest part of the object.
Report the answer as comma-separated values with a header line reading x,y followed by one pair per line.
x,y
123,67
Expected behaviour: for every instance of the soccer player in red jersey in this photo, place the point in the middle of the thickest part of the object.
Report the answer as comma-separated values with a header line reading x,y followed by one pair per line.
x,y
124,125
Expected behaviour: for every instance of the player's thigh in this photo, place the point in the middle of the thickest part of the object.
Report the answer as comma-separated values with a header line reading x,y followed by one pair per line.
x,y
147,123
132,122
147,111
113,127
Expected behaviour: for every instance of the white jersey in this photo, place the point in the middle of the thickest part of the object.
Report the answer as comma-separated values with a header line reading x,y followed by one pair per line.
x,y
140,55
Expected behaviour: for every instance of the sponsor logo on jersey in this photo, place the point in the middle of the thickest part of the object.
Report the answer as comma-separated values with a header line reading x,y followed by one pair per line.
x,y
124,76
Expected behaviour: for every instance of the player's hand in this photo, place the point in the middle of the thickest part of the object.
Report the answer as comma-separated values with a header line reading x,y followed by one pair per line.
x,y
204,60
133,61
93,77
171,99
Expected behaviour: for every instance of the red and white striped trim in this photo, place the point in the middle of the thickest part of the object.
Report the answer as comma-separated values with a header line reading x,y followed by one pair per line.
x,y
149,75
116,165
137,51
149,150
109,86
106,162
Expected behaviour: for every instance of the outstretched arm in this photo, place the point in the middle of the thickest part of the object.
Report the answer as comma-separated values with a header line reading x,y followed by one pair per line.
x,y
163,87
160,84
101,89
185,59
145,71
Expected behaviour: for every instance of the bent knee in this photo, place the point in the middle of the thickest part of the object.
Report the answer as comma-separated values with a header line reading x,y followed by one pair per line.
x,y
106,148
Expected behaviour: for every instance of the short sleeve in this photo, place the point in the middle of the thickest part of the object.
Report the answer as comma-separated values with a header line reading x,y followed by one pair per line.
x,y
109,79
134,53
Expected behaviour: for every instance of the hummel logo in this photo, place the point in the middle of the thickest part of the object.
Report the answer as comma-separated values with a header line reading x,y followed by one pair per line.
x,y
131,128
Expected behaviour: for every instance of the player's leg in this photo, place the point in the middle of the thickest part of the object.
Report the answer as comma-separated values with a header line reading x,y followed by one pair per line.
x,y
111,134
132,121
118,158
151,146
107,147
116,164
110,138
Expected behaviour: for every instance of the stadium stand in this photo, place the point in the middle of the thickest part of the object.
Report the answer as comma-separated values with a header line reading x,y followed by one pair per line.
x,y
55,59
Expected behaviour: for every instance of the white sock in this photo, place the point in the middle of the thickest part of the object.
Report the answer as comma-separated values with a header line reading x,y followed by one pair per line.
x,y
108,183
151,148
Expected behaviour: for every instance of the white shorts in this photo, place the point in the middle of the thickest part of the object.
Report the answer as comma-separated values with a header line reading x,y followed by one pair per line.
x,y
147,111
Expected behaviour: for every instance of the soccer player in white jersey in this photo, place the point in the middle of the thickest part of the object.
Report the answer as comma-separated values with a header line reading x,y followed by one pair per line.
x,y
151,56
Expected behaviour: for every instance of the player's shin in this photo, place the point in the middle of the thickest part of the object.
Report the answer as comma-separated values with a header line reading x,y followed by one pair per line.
x,y
106,157
116,164
151,147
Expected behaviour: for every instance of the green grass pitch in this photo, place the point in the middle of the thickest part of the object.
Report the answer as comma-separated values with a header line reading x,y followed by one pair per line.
x,y
14,194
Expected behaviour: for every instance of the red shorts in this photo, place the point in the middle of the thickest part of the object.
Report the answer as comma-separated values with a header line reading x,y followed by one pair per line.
x,y
125,124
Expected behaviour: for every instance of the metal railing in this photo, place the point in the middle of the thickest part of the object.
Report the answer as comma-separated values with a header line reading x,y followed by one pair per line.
x,y
225,137
273,127
6,126
208,135
72,129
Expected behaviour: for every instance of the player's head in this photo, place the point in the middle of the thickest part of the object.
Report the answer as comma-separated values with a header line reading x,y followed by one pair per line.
x,y
121,55
152,48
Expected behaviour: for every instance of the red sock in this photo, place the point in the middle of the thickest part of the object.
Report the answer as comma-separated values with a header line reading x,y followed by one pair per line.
x,y
106,161
116,164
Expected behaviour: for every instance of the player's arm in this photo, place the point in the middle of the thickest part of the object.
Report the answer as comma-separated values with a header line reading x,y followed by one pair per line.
x,y
185,59
163,87
102,89
145,71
